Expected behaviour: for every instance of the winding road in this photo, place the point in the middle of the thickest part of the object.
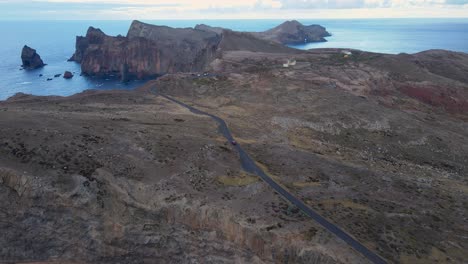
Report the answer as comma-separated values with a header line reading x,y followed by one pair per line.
x,y
249,165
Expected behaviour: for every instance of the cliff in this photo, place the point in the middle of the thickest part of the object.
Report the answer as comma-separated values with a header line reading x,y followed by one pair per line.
x,y
181,49
147,51
102,55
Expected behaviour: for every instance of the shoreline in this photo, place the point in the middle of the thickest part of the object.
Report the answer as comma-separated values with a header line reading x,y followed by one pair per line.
x,y
317,50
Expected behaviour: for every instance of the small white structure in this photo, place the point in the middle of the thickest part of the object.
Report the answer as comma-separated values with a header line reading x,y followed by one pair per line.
x,y
347,52
289,63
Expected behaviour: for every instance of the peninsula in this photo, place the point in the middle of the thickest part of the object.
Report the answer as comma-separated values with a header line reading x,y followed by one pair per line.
x,y
149,50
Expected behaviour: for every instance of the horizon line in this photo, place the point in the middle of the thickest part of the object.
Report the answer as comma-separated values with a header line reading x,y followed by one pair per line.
x,y
283,18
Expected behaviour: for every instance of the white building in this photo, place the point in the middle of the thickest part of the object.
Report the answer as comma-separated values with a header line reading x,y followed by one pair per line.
x,y
289,63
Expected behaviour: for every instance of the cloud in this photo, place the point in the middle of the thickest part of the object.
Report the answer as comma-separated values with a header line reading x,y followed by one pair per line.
x,y
177,9
352,4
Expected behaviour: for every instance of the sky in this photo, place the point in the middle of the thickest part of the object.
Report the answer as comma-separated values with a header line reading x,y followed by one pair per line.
x,y
223,9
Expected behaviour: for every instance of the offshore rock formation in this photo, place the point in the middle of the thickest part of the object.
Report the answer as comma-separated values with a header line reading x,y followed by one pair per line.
x,y
30,58
67,75
148,50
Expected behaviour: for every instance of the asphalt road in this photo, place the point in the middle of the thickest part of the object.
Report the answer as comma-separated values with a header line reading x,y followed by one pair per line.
x,y
249,165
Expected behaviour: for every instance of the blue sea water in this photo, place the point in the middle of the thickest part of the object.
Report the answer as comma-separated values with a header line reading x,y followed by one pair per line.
x,y
55,42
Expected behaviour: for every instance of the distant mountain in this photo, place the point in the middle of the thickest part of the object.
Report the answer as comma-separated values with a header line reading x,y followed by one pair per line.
x,y
289,32
293,32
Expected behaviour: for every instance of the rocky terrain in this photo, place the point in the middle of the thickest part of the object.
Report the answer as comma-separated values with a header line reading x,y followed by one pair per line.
x,y
149,51
375,143
128,177
30,59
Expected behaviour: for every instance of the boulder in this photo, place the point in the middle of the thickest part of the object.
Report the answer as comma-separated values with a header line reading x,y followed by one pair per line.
x,y
68,75
30,58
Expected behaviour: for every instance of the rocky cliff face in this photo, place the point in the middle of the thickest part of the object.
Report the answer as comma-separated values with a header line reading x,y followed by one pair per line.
x,y
182,49
146,51
102,55
30,58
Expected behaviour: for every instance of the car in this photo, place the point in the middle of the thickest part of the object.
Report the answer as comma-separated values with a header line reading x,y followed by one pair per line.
x,y
233,142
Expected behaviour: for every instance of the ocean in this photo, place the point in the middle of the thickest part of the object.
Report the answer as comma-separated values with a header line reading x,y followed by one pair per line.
x,y
55,42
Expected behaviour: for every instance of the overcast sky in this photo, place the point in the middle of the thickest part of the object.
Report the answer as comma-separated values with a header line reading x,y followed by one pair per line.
x,y
215,9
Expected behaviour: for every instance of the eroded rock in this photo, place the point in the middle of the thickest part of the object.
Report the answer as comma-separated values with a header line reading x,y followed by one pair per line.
x,y
30,58
67,75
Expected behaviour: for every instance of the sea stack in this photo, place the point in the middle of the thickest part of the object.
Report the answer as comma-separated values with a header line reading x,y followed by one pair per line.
x,y
30,58
67,75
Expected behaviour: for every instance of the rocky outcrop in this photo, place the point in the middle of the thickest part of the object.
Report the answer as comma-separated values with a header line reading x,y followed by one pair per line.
x,y
182,49
30,58
102,55
68,75
293,32
147,51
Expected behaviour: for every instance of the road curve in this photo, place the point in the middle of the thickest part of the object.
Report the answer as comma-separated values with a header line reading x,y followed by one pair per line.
x,y
249,165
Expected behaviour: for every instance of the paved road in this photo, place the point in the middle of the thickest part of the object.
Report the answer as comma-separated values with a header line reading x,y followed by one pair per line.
x,y
250,166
